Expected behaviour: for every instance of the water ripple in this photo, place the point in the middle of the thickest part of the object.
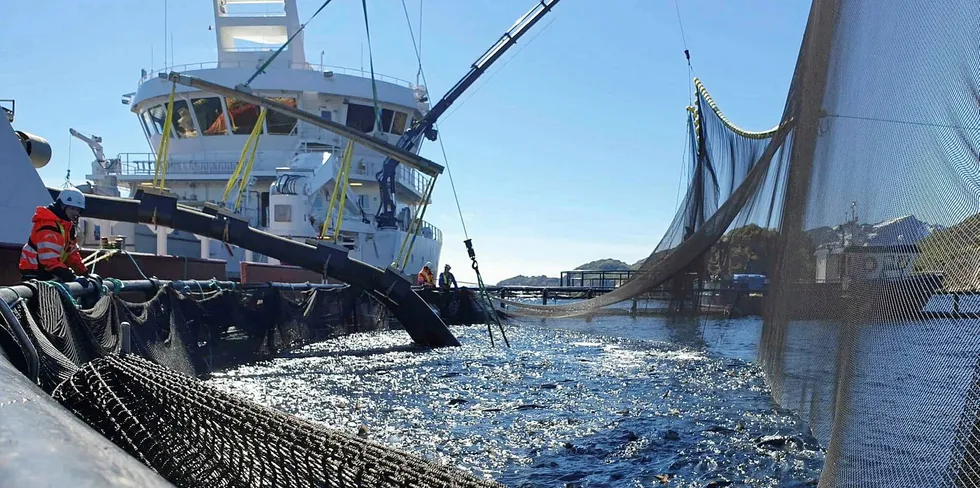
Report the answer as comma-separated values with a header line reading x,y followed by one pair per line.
x,y
560,408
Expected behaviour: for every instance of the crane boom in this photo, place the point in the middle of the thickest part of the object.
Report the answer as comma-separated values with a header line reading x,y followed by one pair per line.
x,y
94,143
425,127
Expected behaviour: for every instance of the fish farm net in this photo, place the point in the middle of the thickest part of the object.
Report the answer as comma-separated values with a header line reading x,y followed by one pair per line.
x,y
195,435
861,210
150,403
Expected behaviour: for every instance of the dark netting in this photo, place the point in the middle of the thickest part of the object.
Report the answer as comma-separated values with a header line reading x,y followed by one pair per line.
x,y
198,436
873,335
737,179
149,403
234,326
865,221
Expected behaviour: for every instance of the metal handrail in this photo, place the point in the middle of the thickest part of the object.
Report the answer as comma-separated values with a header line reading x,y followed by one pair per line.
x,y
292,65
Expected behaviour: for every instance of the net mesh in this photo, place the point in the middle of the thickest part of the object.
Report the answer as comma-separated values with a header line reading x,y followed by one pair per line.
x,y
151,405
195,435
863,210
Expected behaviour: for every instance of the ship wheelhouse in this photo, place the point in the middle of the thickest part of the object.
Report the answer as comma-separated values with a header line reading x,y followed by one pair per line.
x,y
209,132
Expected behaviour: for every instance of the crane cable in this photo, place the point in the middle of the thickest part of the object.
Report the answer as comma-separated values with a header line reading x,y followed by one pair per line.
x,y
245,162
374,85
486,303
339,187
163,151
261,69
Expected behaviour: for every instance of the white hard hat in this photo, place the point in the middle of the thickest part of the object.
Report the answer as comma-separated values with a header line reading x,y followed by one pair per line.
x,y
428,264
71,197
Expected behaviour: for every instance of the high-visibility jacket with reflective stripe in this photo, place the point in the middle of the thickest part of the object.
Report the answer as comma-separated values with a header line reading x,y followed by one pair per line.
x,y
425,277
52,245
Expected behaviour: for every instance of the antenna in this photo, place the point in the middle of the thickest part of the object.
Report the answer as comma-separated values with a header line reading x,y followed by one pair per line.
x,y
165,32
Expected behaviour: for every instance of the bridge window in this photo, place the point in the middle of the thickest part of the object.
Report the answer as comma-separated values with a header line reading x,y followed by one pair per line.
x,y
243,116
278,123
398,125
147,124
210,116
157,116
360,117
183,123
393,121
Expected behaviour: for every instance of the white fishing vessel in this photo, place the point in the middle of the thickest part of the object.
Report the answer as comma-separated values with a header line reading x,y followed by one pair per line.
x,y
296,164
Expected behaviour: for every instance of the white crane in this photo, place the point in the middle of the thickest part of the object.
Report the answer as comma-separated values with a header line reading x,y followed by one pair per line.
x,y
94,142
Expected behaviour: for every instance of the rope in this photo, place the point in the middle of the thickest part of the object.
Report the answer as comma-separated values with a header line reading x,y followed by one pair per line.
x,y
265,65
64,292
374,85
486,302
160,171
117,284
738,130
140,271
68,173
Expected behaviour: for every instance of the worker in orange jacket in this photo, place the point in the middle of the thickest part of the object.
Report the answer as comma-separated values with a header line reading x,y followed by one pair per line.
x,y
52,251
426,279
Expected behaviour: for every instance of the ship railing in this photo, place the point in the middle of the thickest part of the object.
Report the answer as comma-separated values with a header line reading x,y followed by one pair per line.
x,y
403,174
430,231
144,164
323,68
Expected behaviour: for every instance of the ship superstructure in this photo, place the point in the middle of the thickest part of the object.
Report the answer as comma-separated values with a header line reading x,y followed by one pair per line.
x,y
296,163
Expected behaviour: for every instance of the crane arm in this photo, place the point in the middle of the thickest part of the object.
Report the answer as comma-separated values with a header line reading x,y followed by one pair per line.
x,y
94,143
425,127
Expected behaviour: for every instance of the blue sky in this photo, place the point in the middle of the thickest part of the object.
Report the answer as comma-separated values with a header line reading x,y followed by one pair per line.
x,y
568,150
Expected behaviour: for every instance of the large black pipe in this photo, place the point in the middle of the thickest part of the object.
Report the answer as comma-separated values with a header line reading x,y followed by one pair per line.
x,y
392,288
10,294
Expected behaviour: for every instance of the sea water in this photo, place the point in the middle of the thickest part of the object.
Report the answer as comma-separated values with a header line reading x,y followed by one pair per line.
x,y
607,401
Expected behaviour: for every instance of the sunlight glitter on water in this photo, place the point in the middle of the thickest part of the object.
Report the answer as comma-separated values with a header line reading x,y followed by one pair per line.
x,y
560,407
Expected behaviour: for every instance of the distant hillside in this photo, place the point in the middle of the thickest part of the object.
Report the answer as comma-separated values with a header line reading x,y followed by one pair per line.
x,y
955,252
521,280
608,264
892,232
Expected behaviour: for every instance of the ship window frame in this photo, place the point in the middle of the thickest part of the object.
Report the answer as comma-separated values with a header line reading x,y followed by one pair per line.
x,y
236,129
163,117
347,118
394,121
271,115
144,115
194,131
222,115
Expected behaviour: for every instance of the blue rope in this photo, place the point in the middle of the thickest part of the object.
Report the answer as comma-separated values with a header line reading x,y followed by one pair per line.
x,y
64,292
374,85
137,266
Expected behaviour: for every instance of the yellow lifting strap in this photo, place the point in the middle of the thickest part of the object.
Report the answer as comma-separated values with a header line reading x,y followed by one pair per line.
x,y
339,187
245,162
415,226
163,152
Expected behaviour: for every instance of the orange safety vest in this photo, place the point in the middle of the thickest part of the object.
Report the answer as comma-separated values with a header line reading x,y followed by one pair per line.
x,y
425,277
51,245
